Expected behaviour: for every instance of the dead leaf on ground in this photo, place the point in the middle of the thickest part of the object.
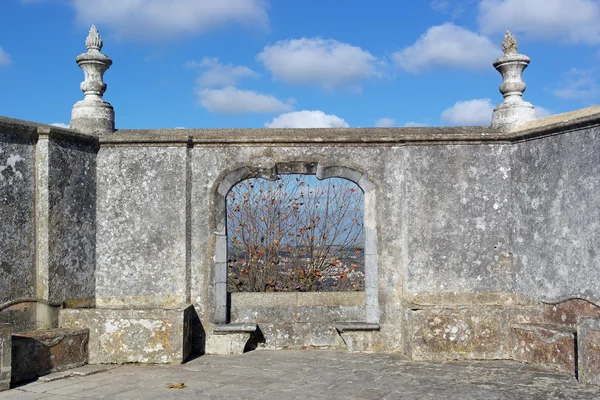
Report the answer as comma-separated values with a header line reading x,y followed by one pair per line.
x,y
179,385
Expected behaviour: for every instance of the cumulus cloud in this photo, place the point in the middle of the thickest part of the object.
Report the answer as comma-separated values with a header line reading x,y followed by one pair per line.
x,y
470,112
478,112
160,19
579,84
541,112
307,119
316,61
60,125
565,20
217,74
412,124
231,100
385,123
446,46
4,57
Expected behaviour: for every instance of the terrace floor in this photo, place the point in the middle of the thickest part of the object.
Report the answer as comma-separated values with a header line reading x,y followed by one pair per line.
x,y
313,374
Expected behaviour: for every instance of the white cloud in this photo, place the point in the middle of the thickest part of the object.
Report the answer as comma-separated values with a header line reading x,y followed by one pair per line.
x,y
579,84
4,57
231,100
307,119
325,63
385,123
565,20
218,74
160,19
541,112
478,112
60,125
470,112
446,46
412,124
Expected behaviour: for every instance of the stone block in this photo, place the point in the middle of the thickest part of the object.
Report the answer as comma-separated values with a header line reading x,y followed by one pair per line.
x,y
230,343
5,356
567,312
467,333
141,336
588,346
546,346
40,353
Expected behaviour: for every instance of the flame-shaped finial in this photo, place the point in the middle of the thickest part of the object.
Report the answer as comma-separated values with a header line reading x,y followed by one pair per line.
x,y
94,40
509,44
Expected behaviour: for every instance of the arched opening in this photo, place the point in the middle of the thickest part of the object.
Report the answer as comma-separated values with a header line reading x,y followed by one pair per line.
x,y
367,236
295,233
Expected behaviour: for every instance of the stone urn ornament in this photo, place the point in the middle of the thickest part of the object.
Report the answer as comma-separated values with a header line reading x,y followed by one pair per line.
x,y
513,112
92,114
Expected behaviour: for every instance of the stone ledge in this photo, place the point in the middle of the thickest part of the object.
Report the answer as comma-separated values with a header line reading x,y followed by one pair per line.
x,y
355,326
234,328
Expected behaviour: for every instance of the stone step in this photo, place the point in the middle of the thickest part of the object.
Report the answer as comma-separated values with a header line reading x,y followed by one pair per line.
x,y
40,353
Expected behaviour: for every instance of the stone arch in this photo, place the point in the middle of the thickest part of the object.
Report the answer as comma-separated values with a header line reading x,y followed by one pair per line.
x,y
270,170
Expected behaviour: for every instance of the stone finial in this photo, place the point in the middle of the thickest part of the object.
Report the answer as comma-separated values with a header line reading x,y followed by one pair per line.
x,y
92,114
94,40
509,44
513,112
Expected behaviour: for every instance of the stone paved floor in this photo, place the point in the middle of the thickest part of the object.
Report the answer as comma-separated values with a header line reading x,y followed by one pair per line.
x,y
313,375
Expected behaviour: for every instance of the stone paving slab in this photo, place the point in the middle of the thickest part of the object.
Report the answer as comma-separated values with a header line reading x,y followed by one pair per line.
x,y
302,374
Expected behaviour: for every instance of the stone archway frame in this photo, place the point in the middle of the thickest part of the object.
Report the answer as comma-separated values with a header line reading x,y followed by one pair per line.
x,y
306,168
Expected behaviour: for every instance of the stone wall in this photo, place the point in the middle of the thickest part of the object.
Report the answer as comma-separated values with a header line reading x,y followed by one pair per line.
x,y
17,229
142,240
470,229
48,214
556,186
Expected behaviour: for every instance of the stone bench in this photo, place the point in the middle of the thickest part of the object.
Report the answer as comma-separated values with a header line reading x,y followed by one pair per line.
x,y
5,356
546,346
588,349
570,350
39,353
234,338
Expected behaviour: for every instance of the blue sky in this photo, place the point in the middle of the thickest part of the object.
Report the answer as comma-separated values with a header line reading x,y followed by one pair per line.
x,y
292,63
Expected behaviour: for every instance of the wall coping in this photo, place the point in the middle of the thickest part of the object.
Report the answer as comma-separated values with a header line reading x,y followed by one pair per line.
x,y
33,131
547,126
541,127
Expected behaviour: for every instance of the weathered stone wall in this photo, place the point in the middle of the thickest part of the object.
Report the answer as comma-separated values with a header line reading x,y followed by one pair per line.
x,y
72,221
556,205
48,221
142,237
17,226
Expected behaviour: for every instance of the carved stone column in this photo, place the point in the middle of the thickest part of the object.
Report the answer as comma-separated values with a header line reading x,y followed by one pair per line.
x,y
513,112
92,114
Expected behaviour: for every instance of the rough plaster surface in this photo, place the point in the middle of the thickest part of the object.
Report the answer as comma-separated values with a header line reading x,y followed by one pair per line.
x,y
72,221
557,215
141,241
17,224
457,218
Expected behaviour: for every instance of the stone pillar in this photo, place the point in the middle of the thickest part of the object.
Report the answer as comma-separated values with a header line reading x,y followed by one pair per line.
x,y
92,114
513,112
